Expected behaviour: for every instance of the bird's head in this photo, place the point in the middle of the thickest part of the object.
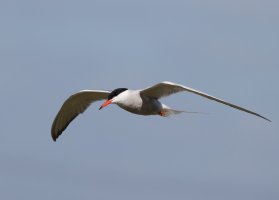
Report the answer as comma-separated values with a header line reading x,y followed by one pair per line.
x,y
113,97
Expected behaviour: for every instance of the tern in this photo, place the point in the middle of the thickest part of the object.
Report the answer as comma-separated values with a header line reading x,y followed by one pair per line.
x,y
141,102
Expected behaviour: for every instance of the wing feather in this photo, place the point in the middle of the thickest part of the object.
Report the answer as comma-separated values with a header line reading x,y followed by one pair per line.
x,y
167,88
72,107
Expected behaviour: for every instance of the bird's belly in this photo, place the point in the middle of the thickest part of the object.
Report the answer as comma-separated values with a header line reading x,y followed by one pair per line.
x,y
145,107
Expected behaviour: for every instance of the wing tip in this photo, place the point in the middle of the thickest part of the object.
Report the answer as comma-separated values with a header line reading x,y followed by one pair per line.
x,y
266,118
54,136
258,115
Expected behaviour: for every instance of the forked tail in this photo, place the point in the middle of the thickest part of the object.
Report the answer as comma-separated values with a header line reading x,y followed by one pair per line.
x,y
167,111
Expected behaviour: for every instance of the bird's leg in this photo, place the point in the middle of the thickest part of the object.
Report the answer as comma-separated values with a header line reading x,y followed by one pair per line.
x,y
162,113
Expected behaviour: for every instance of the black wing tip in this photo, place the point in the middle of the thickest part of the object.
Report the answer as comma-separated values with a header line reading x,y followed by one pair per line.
x,y
54,139
54,136
262,117
266,119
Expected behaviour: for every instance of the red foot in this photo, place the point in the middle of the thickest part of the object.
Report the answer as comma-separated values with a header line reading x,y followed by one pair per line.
x,y
162,113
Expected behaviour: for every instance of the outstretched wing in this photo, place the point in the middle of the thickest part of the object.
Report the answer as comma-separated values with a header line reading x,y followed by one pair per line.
x,y
167,88
72,107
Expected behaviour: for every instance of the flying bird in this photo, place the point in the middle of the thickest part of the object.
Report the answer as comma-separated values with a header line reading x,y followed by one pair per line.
x,y
141,102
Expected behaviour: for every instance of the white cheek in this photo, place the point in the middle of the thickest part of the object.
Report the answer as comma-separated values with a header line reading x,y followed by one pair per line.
x,y
114,100
118,99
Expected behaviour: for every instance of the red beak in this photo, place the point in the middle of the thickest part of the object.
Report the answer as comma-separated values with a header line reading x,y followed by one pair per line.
x,y
107,102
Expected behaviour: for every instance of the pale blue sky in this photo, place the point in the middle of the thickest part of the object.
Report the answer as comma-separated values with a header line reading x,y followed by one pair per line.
x,y
51,49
